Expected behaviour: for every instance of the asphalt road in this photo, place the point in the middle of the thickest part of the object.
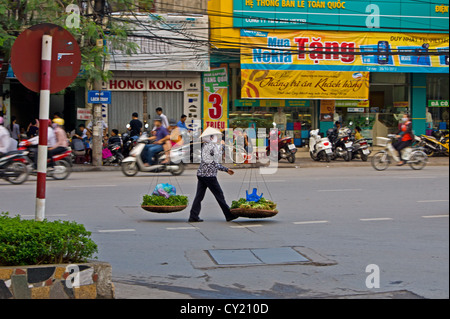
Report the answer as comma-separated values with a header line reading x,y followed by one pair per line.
x,y
341,218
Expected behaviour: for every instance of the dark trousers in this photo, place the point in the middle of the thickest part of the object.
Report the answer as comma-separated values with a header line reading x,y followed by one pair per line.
x,y
400,145
203,184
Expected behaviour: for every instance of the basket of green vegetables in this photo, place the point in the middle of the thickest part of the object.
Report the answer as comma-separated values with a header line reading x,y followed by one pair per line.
x,y
163,205
261,209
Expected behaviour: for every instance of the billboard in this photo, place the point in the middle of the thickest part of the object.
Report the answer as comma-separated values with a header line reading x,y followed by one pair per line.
x,y
337,15
345,51
322,85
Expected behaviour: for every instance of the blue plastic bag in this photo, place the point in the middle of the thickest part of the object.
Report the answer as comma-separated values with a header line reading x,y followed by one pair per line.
x,y
165,190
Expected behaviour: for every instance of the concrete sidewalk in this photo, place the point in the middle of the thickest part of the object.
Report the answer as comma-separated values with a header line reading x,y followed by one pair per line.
x,y
303,160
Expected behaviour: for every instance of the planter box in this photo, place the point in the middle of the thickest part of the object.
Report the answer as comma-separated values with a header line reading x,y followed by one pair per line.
x,y
75,281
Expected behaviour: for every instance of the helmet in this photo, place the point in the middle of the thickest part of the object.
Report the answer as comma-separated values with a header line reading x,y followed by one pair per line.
x,y
58,121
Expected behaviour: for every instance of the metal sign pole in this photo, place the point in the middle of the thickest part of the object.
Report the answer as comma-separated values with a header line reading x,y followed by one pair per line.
x,y
44,110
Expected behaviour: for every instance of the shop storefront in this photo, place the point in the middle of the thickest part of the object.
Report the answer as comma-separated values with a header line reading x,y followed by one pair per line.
x,y
175,95
165,72
437,102
360,67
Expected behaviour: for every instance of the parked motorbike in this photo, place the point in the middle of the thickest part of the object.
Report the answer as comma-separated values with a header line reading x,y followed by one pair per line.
x,y
115,157
320,148
341,143
361,149
128,144
286,148
134,163
435,145
13,168
62,162
415,157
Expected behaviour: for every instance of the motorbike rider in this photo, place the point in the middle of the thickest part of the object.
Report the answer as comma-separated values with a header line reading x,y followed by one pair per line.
x,y
115,138
333,133
405,137
135,126
51,142
4,138
358,135
61,144
175,139
160,137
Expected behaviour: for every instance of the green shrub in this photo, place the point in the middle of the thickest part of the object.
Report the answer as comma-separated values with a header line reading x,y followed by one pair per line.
x,y
154,200
28,242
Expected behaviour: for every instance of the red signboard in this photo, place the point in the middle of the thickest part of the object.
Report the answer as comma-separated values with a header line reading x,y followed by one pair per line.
x,y
26,57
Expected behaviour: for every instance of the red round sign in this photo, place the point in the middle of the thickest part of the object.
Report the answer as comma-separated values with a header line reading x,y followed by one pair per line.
x,y
26,57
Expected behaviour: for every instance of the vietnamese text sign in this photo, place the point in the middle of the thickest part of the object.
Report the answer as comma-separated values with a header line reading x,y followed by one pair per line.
x,y
304,85
84,114
345,15
345,51
438,103
352,104
215,110
272,103
99,97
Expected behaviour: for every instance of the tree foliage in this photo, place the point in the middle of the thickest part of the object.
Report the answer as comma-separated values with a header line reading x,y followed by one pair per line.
x,y
95,23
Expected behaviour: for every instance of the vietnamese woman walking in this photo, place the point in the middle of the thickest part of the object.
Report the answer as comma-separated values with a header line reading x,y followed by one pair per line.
x,y
207,175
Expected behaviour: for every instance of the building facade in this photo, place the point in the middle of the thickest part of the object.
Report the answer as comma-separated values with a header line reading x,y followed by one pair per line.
x,y
166,72
311,63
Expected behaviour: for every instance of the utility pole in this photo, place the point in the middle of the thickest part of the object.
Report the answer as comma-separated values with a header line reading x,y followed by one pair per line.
x,y
97,123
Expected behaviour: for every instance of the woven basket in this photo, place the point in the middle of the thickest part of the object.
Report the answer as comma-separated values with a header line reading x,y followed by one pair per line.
x,y
253,213
164,209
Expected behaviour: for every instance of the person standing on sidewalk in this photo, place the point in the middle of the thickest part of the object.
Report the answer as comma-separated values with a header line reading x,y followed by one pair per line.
x,y
207,176
14,129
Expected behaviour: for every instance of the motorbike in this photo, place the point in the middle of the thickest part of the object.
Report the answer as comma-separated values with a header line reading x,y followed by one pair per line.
x,y
62,162
134,163
128,144
341,143
414,156
286,147
115,157
320,148
435,145
13,167
361,149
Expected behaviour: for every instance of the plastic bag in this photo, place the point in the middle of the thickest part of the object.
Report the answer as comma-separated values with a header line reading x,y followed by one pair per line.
x,y
106,153
165,190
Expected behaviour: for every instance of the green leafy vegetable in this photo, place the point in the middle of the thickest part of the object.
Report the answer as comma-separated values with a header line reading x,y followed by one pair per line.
x,y
263,204
154,200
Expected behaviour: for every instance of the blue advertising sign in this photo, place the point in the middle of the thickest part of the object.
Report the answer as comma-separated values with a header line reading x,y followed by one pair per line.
x,y
103,97
343,15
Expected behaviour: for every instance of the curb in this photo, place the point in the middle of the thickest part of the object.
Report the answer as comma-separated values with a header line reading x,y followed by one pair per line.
x,y
302,162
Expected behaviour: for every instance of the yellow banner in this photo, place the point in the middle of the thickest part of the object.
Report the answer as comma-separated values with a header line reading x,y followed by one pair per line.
x,y
345,51
264,84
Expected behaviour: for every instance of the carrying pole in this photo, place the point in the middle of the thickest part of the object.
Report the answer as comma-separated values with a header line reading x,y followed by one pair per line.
x,y
44,110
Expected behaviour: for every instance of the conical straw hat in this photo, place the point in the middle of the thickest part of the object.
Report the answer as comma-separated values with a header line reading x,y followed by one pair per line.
x,y
211,131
